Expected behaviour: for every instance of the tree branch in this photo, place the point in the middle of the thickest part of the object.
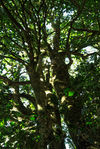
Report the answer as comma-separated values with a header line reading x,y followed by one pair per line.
x,y
82,55
20,106
13,83
72,22
75,3
27,96
16,59
86,30
14,21
19,46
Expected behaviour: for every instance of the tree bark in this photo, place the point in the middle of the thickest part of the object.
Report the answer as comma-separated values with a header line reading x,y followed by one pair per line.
x,y
48,115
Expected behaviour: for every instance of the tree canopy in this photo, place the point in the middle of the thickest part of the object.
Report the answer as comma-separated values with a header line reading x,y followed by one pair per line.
x,y
41,89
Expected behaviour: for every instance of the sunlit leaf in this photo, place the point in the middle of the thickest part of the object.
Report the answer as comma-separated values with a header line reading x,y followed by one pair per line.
x,y
12,123
70,93
32,118
2,123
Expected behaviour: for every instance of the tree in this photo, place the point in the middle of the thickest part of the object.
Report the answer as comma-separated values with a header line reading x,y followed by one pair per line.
x,y
37,90
86,124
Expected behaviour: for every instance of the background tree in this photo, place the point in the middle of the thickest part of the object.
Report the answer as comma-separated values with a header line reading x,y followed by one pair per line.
x,y
39,41
85,124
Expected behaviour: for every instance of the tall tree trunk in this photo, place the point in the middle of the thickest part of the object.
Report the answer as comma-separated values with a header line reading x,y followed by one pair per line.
x,y
49,121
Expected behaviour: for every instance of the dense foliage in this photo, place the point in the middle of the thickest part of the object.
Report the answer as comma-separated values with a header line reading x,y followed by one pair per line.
x,y
41,89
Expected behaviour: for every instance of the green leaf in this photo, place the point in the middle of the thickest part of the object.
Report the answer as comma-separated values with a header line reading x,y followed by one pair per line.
x,y
2,123
70,93
12,123
32,118
66,91
88,123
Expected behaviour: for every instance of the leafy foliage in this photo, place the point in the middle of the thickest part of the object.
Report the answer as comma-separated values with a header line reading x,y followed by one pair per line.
x,y
39,43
